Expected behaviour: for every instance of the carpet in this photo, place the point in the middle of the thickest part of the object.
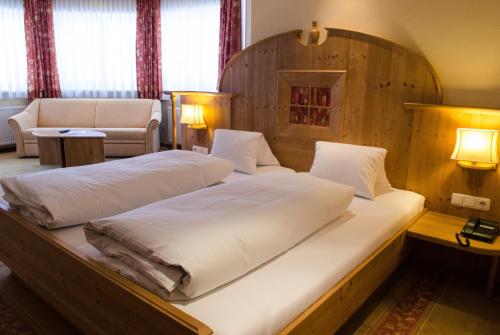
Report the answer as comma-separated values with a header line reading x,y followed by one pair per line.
x,y
10,166
12,322
407,313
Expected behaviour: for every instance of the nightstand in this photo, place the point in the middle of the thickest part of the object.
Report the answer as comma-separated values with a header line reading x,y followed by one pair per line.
x,y
441,228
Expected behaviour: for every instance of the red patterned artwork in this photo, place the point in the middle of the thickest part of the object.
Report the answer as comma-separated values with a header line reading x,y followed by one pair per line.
x,y
300,96
310,105
299,115
319,117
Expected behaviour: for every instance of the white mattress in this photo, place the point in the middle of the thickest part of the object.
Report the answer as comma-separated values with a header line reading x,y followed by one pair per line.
x,y
270,297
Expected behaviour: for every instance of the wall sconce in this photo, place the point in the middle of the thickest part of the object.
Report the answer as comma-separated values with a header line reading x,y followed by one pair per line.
x,y
476,149
192,115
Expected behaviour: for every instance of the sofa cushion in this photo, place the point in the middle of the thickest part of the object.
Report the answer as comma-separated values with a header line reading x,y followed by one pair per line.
x,y
124,134
123,113
67,113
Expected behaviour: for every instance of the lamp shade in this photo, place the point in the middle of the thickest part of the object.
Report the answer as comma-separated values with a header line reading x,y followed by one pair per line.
x,y
192,115
476,148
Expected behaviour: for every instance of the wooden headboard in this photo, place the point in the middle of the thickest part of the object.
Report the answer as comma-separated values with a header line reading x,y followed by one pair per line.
x,y
378,77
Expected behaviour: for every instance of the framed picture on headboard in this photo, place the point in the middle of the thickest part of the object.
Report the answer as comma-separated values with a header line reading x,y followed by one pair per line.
x,y
310,101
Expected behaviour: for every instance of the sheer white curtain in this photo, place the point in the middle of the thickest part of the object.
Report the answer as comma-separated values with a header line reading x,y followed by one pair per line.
x,y
190,44
13,63
95,47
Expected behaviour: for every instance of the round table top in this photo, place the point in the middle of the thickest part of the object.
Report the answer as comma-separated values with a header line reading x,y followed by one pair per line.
x,y
71,133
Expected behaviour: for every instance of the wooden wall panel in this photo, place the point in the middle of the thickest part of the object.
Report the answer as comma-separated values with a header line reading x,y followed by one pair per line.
x,y
431,171
239,79
381,76
264,74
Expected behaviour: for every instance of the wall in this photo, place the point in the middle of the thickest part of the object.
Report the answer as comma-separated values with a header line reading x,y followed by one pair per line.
x,y
459,37
433,174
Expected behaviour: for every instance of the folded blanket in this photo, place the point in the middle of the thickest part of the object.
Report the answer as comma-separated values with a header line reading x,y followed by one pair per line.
x,y
70,196
188,245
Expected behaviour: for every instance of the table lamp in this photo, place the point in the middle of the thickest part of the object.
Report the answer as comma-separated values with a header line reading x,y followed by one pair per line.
x,y
476,149
192,115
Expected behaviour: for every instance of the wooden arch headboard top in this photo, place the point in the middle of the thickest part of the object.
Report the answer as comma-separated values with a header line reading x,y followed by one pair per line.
x,y
349,89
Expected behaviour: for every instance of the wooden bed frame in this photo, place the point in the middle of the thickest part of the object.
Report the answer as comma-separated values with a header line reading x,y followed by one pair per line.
x,y
100,301
381,76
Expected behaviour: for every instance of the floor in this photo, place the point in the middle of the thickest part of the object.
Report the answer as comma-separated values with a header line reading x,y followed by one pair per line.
x,y
40,315
10,165
461,306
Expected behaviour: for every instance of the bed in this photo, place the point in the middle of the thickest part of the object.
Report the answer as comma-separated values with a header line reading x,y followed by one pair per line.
x,y
262,302
371,113
361,233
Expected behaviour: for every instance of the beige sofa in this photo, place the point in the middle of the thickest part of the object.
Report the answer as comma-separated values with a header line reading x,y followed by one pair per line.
x,y
131,125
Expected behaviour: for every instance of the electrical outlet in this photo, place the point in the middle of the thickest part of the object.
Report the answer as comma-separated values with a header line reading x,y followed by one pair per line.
x,y
469,201
200,150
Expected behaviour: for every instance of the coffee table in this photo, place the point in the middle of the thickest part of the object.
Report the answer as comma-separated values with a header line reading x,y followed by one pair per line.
x,y
74,148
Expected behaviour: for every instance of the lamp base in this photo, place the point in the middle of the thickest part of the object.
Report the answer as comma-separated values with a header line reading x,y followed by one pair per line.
x,y
197,127
477,165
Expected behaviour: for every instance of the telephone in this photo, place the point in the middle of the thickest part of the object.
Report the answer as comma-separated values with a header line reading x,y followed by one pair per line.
x,y
478,229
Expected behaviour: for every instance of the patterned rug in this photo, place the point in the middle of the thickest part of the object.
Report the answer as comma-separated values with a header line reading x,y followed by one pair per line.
x,y
407,314
12,322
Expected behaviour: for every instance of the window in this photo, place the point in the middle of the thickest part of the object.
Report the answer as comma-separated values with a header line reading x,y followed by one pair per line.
x,y
13,63
95,47
190,44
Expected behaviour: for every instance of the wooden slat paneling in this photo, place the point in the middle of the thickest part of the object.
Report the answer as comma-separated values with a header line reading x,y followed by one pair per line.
x,y
381,76
431,171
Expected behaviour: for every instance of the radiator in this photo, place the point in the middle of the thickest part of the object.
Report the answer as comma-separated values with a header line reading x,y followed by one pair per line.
x,y
7,136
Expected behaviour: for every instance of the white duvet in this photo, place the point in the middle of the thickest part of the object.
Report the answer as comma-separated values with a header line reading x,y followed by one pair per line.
x,y
186,246
70,196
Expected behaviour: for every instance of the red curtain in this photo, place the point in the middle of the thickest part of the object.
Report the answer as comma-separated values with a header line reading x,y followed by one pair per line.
x,y
230,31
43,79
148,49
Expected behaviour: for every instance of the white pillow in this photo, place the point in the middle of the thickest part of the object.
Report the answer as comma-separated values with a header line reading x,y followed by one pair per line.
x,y
382,184
358,166
265,156
240,147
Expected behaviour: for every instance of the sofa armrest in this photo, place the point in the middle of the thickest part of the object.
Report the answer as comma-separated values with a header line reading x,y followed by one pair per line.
x,y
28,118
154,121
152,129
